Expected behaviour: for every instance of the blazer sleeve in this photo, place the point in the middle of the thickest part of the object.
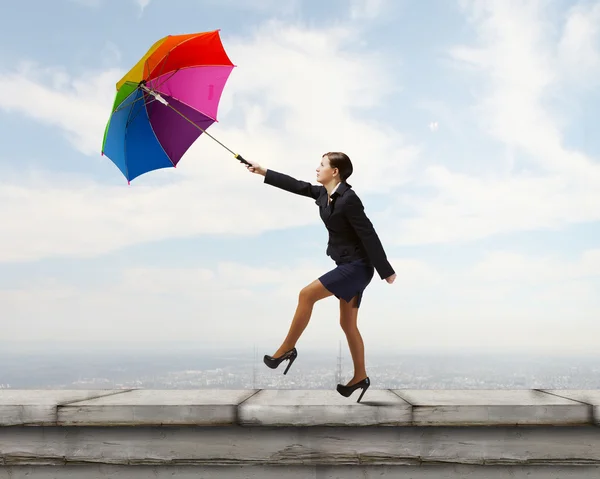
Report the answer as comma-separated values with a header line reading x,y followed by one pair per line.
x,y
355,213
292,185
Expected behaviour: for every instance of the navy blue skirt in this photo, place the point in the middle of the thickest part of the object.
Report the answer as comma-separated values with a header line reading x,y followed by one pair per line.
x,y
347,280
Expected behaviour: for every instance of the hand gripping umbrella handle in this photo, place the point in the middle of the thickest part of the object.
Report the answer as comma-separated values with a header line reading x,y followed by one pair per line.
x,y
241,158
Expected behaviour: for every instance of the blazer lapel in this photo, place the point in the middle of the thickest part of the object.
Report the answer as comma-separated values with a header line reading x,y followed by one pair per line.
x,y
324,204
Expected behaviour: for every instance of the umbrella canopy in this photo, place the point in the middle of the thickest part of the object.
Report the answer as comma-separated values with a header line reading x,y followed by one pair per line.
x,y
165,102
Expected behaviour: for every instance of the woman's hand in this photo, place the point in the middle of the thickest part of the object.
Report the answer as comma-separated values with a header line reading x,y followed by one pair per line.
x,y
390,279
256,168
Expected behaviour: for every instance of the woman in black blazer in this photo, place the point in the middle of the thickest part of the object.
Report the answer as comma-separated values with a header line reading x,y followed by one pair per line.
x,y
353,245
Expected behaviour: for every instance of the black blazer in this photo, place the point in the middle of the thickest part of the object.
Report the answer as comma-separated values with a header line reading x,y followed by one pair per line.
x,y
351,233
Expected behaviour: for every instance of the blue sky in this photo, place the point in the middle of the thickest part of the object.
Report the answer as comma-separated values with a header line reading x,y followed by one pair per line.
x,y
471,125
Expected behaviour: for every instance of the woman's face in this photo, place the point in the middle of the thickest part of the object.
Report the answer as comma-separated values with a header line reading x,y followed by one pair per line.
x,y
325,173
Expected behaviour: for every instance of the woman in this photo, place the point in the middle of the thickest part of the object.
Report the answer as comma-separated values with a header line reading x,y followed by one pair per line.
x,y
355,248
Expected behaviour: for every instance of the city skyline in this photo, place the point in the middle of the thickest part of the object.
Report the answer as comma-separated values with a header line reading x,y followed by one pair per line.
x,y
245,370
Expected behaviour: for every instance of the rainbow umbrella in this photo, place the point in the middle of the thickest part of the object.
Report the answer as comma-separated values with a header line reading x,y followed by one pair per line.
x,y
165,102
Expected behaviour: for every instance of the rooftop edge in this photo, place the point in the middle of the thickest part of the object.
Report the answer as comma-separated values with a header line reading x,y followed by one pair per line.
x,y
291,407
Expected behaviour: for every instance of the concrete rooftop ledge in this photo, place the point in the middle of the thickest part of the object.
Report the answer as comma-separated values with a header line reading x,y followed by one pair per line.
x,y
380,407
314,433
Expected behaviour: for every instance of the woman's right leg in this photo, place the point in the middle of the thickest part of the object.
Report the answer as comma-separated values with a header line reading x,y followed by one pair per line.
x,y
348,322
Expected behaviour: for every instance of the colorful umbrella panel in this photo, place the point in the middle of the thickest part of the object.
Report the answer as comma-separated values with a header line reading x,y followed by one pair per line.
x,y
165,102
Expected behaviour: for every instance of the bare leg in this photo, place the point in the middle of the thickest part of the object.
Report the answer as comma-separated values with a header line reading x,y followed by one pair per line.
x,y
307,298
348,322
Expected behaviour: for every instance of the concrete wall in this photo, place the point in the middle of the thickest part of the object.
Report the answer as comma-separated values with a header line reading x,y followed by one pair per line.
x,y
299,434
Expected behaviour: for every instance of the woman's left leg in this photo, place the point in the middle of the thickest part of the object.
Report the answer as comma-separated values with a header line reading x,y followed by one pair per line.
x,y
307,298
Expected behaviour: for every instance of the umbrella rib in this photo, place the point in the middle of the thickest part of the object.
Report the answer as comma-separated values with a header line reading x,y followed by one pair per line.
x,y
167,78
185,41
154,133
180,101
145,89
199,127
172,74
125,105
130,120
189,106
200,65
133,102
164,62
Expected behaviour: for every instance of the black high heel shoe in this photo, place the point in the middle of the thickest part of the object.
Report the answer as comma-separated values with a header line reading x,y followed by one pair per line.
x,y
272,362
347,390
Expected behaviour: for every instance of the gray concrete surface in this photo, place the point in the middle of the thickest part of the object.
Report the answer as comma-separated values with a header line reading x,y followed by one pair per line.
x,y
457,407
144,407
324,408
400,407
240,445
312,433
302,472
586,396
37,407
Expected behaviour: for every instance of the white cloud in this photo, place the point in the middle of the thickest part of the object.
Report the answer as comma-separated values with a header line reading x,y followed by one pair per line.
x,y
88,3
578,49
76,106
289,79
142,4
509,266
369,9
516,63
270,7
171,303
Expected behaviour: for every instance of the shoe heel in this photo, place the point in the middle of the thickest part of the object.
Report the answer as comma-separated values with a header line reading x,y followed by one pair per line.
x,y
291,361
362,393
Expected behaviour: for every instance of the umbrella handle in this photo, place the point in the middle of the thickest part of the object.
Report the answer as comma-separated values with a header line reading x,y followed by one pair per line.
x,y
241,158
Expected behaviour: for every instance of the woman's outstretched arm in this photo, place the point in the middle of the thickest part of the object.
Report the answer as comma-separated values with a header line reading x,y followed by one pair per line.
x,y
286,182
